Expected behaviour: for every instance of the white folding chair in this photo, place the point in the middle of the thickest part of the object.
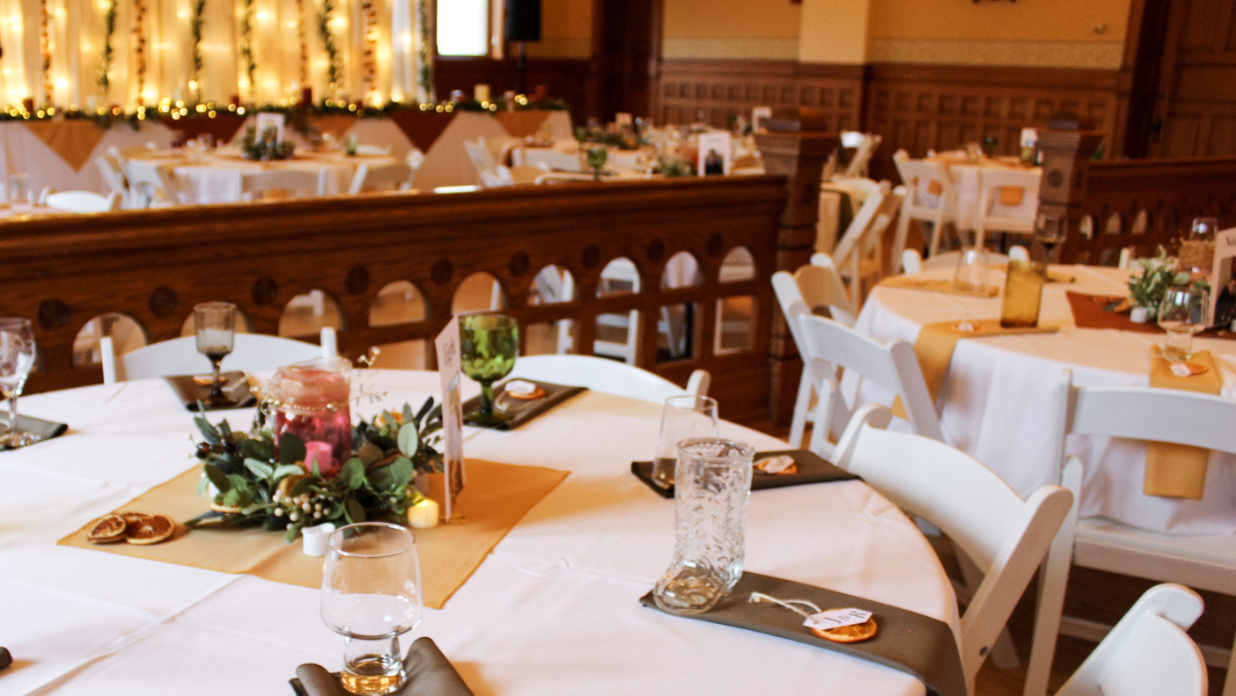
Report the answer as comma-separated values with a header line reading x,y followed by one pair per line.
x,y
998,214
113,176
818,288
291,182
84,201
930,197
865,145
607,376
179,356
1148,653
1201,562
910,258
859,254
415,160
1004,536
395,176
153,184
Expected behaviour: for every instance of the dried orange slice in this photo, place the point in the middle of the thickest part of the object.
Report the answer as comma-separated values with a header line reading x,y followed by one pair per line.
x,y
854,633
107,529
226,509
150,530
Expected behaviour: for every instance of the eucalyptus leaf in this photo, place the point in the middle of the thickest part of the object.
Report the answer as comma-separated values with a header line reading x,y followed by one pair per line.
x,y
260,469
217,477
291,449
353,511
409,440
402,471
408,417
284,470
353,474
369,453
385,443
238,482
234,498
203,518
272,523
257,449
209,434
202,483
381,478
425,408
225,430
250,509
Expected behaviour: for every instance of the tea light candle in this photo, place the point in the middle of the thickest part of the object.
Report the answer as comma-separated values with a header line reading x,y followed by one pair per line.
x,y
480,93
423,515
316,540
318,452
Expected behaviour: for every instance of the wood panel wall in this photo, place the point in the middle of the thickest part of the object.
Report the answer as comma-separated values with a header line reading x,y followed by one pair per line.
x,y
154,265
915,107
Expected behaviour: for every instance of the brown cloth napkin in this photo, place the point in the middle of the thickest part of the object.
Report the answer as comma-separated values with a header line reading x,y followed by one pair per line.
x,y
235,387
45,430
914,282
428,673
523,411
923,647
1174,470
1091,312
812,468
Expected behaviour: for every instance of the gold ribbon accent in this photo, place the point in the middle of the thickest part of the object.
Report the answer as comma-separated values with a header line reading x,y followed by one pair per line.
x,y
1174,470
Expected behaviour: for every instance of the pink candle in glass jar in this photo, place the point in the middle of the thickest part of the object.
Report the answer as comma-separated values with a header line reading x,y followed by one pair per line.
x,y
310,401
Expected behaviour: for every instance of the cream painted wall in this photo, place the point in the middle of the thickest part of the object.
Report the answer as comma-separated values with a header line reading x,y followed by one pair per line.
x,y
834,31
566,30
731,29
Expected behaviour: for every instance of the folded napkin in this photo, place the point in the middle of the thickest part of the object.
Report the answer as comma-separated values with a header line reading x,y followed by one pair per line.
x,y
44,430
915,282
428,672
937,341
1174,470
906,641
190,392
520,411
812,468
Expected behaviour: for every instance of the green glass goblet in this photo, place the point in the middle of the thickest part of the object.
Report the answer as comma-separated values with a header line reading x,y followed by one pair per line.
x,y
488,346
597,157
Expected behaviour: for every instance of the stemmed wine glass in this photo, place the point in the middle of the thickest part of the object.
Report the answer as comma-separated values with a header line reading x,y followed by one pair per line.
x,y
1182,313
17,350
1050,231
597,157
488,346
371,594
215,325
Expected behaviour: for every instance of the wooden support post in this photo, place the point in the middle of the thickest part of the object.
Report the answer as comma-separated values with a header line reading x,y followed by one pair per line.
x,y
1066,146
795,146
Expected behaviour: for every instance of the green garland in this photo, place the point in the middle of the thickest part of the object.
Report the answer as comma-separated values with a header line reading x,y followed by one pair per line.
x,y
109,29
195,24
246,45
261,484
425,53
334,71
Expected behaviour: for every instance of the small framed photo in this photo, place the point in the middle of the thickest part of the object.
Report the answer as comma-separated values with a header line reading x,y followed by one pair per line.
x,y
714,157
758,115
1222,309
267,120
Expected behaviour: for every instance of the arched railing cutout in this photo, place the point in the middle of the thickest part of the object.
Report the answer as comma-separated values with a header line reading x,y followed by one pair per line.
x,y
127,334
479,292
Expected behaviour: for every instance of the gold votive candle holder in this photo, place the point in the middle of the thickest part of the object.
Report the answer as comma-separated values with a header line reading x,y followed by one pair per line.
x,y
1023,294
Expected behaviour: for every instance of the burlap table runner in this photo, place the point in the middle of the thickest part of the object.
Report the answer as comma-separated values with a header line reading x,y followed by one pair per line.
x,y
1174,470
496,498
72,140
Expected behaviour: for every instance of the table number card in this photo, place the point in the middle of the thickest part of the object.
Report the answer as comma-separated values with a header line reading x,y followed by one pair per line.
x,y
270,120
1222,310
714,153
758,115
447,345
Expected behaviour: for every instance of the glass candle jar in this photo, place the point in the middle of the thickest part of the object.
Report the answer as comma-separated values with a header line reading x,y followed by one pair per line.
x,y
1023,293
310,400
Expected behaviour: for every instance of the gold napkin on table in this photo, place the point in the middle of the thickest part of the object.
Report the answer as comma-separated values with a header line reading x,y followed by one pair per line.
x,y
1174,470
915,282
936,342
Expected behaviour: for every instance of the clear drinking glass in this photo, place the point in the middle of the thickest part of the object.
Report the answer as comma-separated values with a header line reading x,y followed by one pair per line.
x,y
1050,231
713,483
972,271
215,325
1182,313
17,351
371,594
682,417
19,190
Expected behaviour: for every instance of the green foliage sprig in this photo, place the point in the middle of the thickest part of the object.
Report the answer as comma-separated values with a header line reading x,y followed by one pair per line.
x,y
246,45
260,484
195,24
109,29
1157,275
334,70
264,147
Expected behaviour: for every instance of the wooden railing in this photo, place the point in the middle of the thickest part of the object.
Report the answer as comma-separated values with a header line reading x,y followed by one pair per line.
x,y
154,265
1145,203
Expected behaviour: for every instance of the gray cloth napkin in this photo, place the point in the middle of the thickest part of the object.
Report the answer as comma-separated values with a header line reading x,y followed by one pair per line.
x,y
45,430
235,387
812,468
429,673
521,412
909,642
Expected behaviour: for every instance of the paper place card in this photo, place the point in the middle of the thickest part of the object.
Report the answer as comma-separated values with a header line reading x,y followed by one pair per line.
x,y
447,345
836,618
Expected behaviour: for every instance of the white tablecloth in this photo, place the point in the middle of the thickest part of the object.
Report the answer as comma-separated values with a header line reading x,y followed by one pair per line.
x,y
218,178
22,152
553,610
1000,399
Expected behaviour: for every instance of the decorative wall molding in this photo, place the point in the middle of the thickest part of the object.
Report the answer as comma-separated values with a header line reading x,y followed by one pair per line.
x,y
736,47
1039,54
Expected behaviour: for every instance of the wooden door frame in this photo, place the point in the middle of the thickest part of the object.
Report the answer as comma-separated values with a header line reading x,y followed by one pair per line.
x,y
599,58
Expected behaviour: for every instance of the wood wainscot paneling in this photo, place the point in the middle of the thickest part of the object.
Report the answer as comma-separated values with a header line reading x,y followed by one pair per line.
x,y
572,80
943,107
154,265
719,88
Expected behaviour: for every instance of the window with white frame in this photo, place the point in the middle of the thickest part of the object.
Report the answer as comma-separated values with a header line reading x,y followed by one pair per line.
x,y
463,27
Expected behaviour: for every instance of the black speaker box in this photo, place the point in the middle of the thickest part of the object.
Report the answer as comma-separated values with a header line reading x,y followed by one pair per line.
x,y
523,20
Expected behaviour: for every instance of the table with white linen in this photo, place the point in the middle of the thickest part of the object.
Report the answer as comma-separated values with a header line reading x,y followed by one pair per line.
x,y
966,182
218,177
553,610
1000,400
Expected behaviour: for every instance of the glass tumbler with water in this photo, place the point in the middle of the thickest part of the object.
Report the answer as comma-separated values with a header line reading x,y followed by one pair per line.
x,y
371,594
683,417
713,482
1182,313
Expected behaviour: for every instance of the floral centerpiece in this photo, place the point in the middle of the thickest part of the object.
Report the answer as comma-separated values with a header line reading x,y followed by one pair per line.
x,y
1146,289
265,147
261,482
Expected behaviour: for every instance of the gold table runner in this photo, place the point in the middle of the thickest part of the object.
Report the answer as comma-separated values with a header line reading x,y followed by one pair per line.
x,y
496,498
1174,470
72,140
914,282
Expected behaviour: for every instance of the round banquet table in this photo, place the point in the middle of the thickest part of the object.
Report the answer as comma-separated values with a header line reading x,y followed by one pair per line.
x,y
1000,399
552,610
